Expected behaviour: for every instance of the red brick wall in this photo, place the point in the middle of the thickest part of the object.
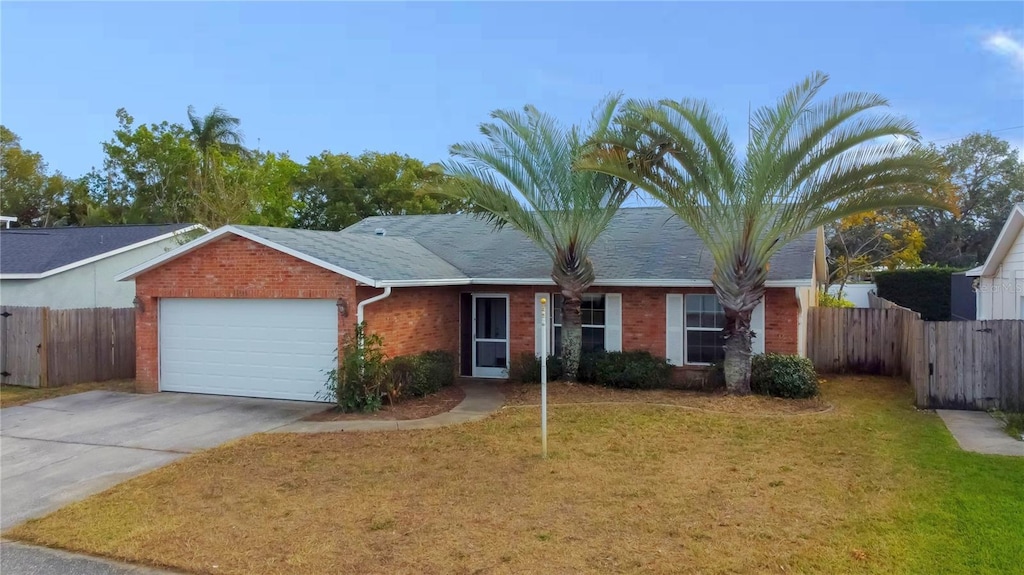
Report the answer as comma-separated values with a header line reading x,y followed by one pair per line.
x,y
230,267
411,320
414,320
781,320
643,316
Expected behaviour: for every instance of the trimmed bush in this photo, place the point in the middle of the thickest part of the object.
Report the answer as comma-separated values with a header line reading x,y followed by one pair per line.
x,y
788,376
420,374
629,370
924,290
526,368
361,381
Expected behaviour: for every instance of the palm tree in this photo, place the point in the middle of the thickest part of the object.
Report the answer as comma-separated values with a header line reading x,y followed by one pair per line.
x,y
522,175
218,128
807,163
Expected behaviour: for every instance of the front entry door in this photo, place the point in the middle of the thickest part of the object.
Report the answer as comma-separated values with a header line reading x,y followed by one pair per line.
x,y
490,335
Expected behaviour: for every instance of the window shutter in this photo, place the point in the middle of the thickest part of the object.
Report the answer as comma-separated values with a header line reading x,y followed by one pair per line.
x,y
674,329
613,322
537,333
757,324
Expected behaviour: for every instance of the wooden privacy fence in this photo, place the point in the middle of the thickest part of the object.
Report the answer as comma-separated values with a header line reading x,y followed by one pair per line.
x,y
45,347
958,365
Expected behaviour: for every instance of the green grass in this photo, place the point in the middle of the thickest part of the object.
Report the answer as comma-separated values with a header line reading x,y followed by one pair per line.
x,y
1013,423
871,487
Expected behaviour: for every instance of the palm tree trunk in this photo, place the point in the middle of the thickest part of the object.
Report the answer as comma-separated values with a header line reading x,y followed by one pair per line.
x,y
737,352
572,333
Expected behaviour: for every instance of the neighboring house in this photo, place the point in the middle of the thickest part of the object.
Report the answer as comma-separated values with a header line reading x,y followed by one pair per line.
x,y
259,311
855,293
74,267
1000,280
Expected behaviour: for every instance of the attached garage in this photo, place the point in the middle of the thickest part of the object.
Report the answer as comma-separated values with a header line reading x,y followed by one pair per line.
x,y
273,348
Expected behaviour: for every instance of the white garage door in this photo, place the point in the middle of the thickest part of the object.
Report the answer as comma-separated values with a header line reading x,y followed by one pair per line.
x,y
271,348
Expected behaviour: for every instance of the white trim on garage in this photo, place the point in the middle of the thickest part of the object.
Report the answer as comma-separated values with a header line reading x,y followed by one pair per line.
x,y
270,348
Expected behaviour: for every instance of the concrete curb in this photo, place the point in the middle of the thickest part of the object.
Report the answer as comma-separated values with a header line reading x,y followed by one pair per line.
x,y
481,401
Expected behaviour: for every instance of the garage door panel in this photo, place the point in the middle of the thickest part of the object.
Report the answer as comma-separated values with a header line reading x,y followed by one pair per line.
x,y
257,348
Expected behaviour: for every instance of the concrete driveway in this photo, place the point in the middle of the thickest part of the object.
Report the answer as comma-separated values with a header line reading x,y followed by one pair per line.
x,y
64,449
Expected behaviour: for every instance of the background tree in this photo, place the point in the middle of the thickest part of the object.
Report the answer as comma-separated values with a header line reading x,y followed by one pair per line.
x,y
807,163
988,176
337,190
27,190
254,189
524,175
862,243
147,174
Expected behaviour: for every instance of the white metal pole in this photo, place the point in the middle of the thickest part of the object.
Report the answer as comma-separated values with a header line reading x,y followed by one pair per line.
x,y
544,377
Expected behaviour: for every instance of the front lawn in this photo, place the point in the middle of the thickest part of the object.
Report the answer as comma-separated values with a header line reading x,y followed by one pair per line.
x,y
11,395
871,486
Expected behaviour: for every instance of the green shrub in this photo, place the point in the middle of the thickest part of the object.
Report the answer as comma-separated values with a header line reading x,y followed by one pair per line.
x,y
927,291
630,370
588,366
526,368
779,375
826,299
423,373
360,381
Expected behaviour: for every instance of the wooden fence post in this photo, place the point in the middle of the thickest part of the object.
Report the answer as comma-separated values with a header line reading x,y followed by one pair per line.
x,y
44,349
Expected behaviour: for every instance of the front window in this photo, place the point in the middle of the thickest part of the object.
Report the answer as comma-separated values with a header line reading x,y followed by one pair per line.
x,y
592,311
705,324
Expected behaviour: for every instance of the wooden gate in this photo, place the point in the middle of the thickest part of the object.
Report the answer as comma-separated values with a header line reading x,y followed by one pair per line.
x,y
51,348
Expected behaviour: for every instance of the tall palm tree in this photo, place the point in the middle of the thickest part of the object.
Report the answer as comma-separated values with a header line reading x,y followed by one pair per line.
x,y
218,128
523,175
806,163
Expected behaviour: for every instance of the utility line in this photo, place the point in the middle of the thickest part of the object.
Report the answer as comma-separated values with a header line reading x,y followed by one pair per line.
x,y
985,132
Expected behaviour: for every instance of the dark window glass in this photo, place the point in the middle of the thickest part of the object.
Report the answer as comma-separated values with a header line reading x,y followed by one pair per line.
x,y
705,320
592,315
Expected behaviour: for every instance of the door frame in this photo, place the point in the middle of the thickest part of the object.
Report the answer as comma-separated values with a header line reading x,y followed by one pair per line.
x,y
491,372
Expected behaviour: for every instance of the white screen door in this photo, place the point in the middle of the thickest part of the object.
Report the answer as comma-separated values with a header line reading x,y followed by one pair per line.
x,y
490,335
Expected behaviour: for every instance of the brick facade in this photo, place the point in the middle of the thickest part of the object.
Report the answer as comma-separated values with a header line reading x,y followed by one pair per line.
x,y
230,267
411,320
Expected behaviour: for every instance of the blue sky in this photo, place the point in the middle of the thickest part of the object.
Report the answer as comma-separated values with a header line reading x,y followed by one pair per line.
x,y
415,78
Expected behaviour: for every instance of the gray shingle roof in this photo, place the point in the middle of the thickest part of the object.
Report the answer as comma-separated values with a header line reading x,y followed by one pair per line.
x,y
39,250
374,257
639,244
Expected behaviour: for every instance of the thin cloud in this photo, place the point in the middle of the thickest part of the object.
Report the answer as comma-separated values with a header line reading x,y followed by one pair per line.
x,y
1007,45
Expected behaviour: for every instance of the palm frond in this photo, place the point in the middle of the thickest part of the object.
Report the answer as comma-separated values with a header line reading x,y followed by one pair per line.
x,y
523,174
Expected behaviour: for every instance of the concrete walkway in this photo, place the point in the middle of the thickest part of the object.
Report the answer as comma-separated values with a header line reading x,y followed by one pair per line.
x,y
481,400
21,559
979,432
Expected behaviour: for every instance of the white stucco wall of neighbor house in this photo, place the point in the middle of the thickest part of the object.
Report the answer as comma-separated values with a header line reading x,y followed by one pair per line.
x,y
91,285
1001,296
855,293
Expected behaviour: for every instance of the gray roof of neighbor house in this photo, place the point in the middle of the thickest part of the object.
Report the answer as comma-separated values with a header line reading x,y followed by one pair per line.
x,y
34,251
639,244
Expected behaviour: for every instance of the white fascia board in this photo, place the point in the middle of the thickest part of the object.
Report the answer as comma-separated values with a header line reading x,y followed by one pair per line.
x,y
220,232
102,256
974,272
1003,241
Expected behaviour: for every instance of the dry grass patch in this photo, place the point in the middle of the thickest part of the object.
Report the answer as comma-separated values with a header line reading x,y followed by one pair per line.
x,y
11,395
633,488
566,393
